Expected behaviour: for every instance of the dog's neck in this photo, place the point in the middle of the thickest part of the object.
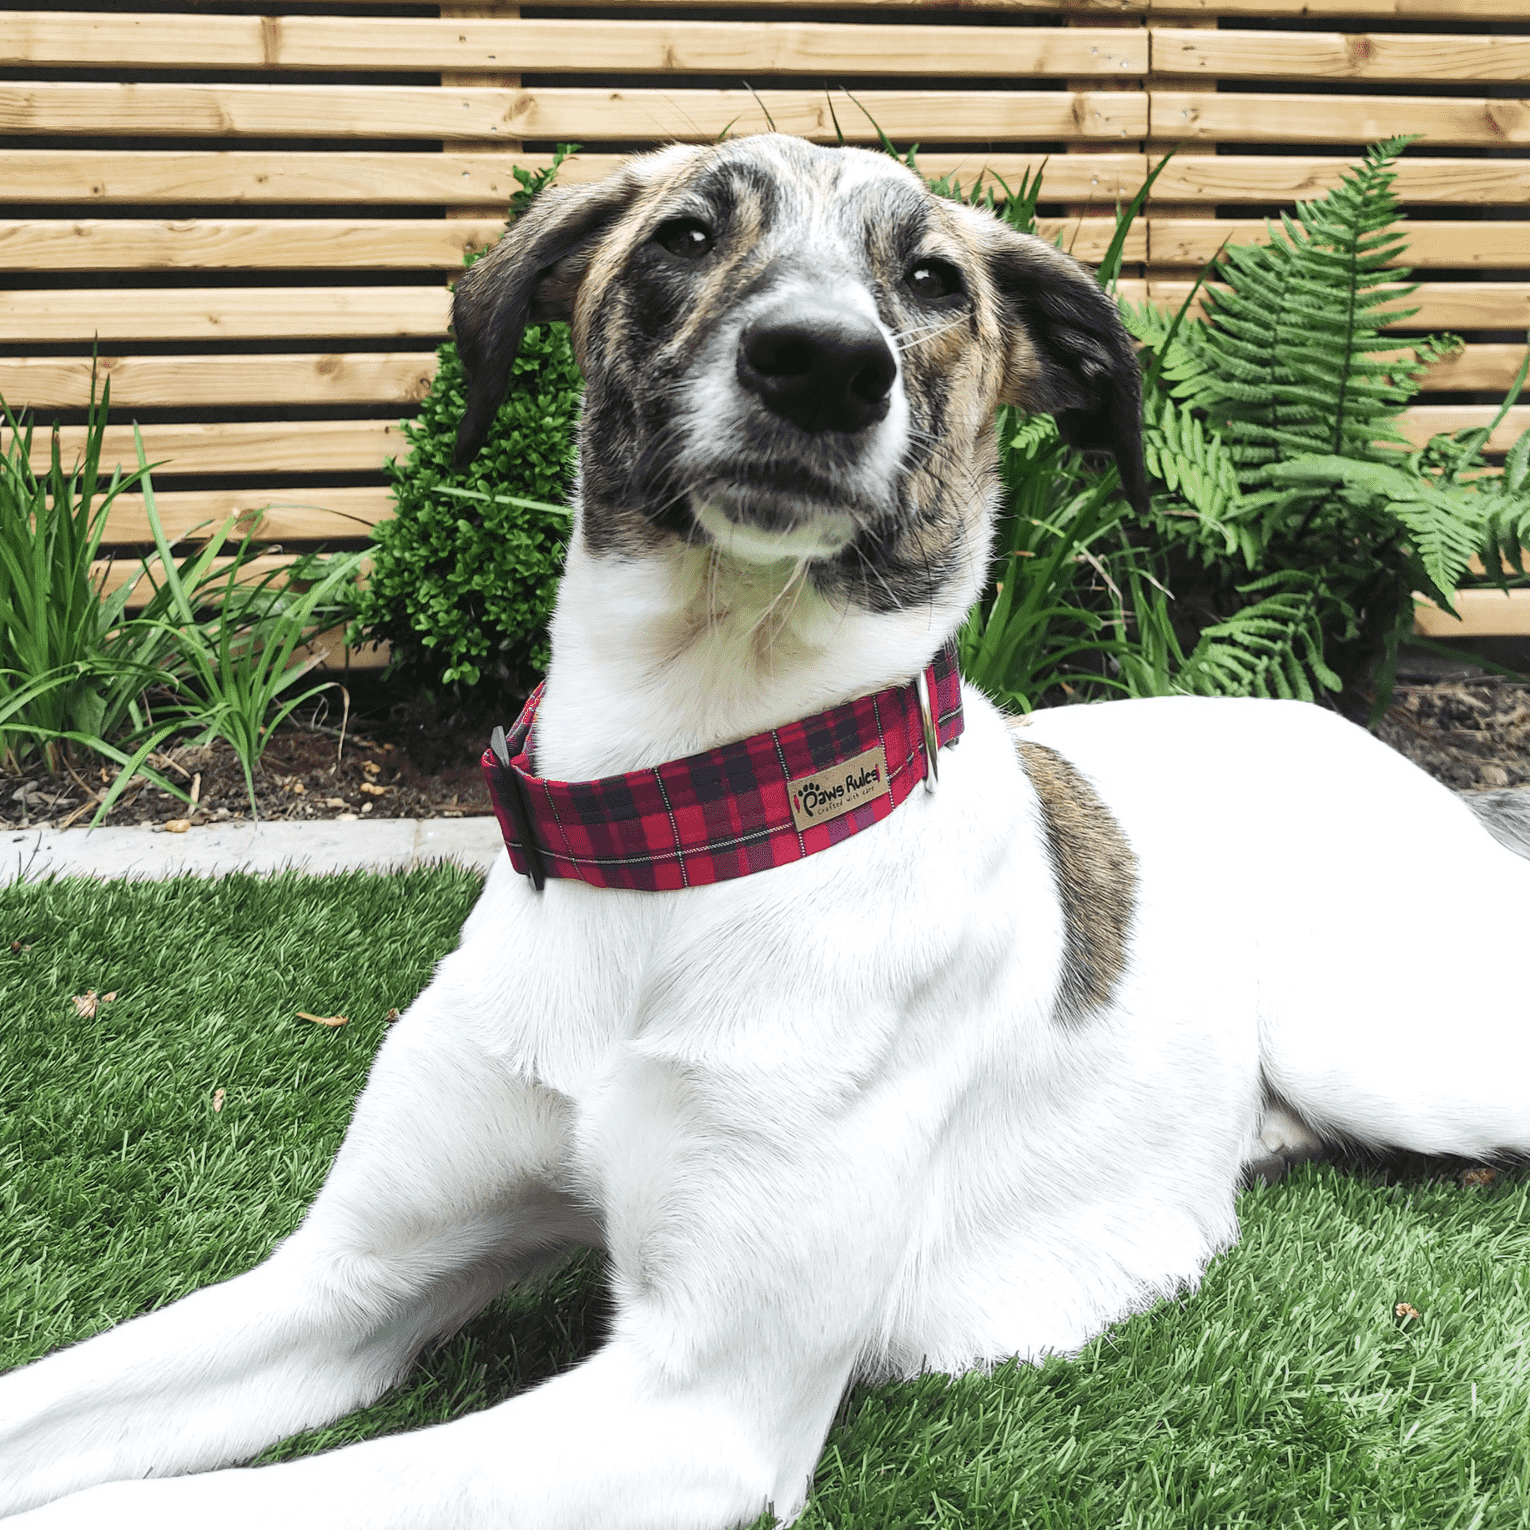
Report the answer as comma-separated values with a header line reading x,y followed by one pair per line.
x,y
683,648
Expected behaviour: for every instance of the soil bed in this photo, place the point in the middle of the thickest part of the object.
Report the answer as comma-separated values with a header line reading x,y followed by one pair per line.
x,y
416,762
1471,734
405,763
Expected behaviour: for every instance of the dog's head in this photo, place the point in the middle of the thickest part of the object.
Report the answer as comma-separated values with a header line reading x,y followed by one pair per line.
x,y
796,351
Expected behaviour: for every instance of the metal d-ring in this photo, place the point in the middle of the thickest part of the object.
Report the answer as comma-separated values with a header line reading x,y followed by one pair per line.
x,y
925,688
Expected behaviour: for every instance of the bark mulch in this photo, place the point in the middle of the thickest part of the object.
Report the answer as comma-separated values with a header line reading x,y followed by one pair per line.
x,y
1471,734
411,766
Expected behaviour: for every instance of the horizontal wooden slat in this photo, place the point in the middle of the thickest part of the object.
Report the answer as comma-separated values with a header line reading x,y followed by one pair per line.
x,y
230,313
314,244
934,7
1099,178
113,176
632,46
1412,10
318,515
1488,246
337,658
1483,613
1296,177
585,115
1440,305
473,180
116,572
276,447
243,244
138,382
1207,117
1426,420
1470,305
1477,366
1380,56
1419,9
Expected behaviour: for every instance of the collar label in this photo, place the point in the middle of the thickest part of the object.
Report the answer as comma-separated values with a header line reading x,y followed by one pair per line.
x,y
826,794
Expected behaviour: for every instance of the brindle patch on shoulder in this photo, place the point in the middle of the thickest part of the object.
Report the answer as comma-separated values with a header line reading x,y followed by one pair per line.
x,y
1095,870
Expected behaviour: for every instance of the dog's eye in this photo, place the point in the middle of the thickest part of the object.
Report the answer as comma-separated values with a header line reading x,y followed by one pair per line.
x,y
933,279
685,237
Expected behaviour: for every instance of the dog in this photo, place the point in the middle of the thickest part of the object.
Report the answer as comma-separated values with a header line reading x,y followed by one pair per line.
x,y
952,1047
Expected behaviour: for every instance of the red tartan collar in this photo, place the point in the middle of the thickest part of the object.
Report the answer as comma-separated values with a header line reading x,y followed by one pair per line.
x,y
766,800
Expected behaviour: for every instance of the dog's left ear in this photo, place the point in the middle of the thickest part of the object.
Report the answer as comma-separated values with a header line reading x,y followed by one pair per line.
x,y
1070,356
532,274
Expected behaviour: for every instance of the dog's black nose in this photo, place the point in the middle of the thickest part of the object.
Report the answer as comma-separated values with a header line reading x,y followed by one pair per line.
x,y
822,370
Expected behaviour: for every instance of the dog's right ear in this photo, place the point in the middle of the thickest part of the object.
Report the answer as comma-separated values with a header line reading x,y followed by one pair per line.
x,y
532,274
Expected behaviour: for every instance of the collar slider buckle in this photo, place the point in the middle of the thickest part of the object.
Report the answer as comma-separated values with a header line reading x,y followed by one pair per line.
x,y
924,687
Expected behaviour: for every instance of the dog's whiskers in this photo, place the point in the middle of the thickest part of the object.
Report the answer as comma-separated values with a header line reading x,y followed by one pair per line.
x,y
924,333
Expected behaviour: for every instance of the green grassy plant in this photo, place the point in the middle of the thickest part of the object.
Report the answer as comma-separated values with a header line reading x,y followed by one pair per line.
x,y
233,667
67,668
208,654
1285,1392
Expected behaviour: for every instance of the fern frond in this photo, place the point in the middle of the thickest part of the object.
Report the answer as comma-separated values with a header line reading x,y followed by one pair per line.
x,y
1273,647
1291,358
1191,462
1446,527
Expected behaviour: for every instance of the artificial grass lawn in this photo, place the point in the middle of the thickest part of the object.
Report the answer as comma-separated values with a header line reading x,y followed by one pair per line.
x,y
1284,1393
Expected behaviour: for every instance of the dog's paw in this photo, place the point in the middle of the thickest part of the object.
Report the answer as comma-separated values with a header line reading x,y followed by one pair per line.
x,y
1283,1140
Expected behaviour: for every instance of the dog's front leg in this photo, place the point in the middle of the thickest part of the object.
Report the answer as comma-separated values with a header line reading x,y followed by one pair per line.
x,y
449,1184
755,1221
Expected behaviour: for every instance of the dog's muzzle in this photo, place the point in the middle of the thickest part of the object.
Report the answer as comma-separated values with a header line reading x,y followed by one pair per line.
x,y
818,368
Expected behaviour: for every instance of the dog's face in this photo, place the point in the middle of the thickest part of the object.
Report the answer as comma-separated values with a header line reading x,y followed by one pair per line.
x,y
796,352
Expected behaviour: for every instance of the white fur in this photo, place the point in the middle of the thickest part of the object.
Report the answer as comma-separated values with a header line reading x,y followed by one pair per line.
x,y
823,1118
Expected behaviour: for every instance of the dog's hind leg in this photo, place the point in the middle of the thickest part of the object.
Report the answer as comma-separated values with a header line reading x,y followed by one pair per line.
x,y
447,1187
1406,1024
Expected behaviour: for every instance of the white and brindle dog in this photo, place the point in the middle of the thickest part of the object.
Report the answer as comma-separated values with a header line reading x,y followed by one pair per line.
x,y
974,1082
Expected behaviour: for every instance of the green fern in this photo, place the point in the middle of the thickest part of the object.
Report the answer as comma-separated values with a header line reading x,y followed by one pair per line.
x,y
1291,369
1444,530
1192,462
1292,360
1272,647
1507,511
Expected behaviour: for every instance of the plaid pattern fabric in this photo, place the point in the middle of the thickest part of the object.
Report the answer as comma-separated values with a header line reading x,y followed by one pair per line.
x,y
724,813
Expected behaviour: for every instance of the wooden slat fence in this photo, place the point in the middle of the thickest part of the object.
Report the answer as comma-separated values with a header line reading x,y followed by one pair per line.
x,y
255,217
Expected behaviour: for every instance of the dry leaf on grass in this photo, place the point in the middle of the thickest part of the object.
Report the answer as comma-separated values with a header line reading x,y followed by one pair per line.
x,y
17,947
87,1003
1406,1310
329,1020
217,1099
391,1018
1478,1176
